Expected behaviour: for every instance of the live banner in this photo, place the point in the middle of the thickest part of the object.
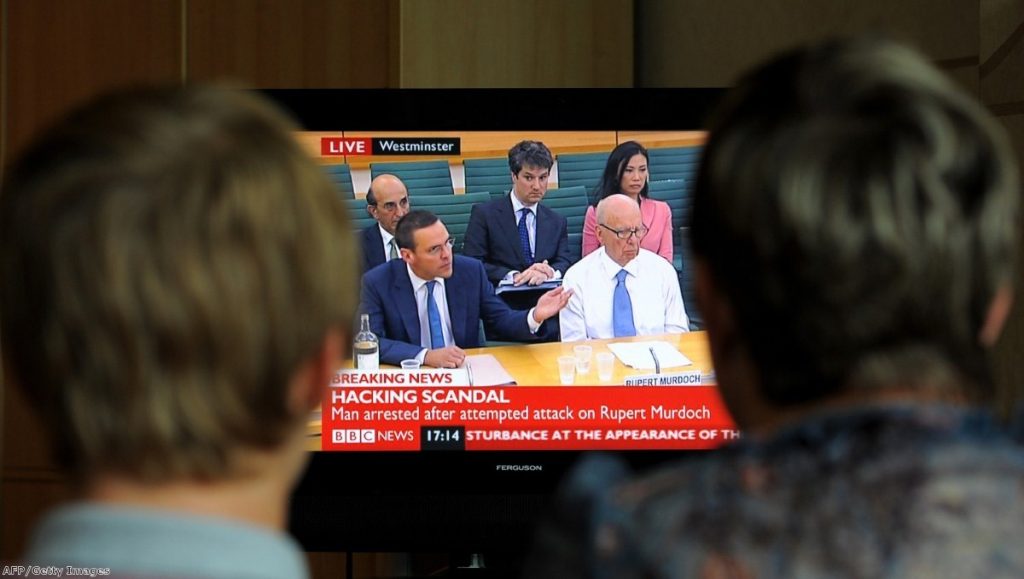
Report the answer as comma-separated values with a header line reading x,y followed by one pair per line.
x,y
391,413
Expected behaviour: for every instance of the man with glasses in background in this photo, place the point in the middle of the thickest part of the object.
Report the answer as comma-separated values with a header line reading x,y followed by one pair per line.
x,y
428,305
621,289
387,201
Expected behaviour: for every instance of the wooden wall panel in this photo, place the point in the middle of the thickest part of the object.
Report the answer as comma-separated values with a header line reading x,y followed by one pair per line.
x,y
55,59
526,44
3,115
327,565
698,43
26,497
1002,52
59,54
1002,75
999,19
289,43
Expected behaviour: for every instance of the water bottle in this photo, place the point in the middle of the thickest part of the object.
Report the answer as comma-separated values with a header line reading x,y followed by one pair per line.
x,y
366,346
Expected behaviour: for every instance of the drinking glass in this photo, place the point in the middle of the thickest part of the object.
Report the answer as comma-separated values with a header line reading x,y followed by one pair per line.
x,y
605,366
567,369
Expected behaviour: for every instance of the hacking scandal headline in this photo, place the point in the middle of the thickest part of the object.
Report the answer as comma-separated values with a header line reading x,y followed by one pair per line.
x,y
430,410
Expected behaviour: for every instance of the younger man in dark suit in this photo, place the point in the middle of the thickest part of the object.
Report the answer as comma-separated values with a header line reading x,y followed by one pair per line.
x,y
517,238
429,305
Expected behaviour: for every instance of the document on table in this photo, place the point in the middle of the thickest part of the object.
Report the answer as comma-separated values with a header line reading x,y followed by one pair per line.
x,y
486,370
638,355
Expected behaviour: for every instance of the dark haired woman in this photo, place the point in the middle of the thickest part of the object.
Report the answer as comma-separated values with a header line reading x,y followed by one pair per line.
x,y
626,173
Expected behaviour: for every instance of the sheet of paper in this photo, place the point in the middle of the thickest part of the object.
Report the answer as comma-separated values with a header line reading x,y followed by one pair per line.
x,y
486,370
504,286
638,355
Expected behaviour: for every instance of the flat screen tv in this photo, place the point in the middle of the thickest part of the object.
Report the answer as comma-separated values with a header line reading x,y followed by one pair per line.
x,y
437,466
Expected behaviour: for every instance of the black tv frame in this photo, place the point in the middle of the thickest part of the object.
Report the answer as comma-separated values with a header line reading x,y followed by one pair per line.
x,y
476,501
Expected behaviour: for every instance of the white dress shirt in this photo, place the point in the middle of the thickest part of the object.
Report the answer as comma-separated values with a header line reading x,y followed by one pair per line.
x,y
387,237
419,289
531,231
653,291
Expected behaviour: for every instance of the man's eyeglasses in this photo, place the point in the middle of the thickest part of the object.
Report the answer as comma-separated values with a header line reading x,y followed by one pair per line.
x,y
450,242
391,205
639,232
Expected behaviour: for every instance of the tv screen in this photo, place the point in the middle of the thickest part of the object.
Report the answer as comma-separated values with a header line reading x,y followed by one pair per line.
x,y
465,459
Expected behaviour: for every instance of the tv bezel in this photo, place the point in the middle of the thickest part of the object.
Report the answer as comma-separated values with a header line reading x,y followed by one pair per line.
x,y
479,501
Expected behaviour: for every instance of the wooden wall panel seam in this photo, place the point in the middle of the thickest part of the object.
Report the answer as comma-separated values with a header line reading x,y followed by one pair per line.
x,y
1000,54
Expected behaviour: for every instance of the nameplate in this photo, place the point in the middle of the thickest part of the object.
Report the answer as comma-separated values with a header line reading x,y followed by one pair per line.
x,y
690,378
421,377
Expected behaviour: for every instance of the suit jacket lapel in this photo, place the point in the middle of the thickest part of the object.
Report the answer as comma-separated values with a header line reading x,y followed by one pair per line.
x,y
546,241
377,244
507,223
405,300
455,288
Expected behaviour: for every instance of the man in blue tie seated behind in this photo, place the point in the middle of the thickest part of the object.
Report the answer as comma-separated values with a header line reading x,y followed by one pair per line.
x,y
387,201
518,239
621,289
429,305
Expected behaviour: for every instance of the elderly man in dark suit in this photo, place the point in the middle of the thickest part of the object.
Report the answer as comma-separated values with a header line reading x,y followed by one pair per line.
x,y
518,239
387,201
429,305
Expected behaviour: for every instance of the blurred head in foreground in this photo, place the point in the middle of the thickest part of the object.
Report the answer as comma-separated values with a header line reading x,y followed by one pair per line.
x,y
176,280
854,231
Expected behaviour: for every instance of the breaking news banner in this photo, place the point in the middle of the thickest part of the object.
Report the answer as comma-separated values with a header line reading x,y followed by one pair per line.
x,y
405,410
333,146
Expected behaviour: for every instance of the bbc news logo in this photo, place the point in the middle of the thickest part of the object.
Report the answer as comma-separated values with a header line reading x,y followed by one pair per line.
x,y
354,436
337,146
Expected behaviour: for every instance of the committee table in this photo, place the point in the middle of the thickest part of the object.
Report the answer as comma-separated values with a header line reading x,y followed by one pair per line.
x,y
537,364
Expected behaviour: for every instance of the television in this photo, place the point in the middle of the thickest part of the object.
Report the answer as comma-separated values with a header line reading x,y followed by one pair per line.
x,y
430,493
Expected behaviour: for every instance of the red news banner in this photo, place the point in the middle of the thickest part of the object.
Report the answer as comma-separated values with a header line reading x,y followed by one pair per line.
x,y
428,410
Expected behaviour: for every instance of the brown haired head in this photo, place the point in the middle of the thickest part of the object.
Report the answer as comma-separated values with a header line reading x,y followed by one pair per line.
x,y
857,211
168,259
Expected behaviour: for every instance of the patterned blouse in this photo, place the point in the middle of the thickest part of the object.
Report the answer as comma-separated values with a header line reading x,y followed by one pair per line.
x,y
895,491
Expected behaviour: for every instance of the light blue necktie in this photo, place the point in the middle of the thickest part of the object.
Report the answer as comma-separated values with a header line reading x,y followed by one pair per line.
x,y
524,237
434,318
394,249
622,308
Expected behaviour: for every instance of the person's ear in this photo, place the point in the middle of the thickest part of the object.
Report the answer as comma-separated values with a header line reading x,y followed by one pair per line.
x,y
312,378
407,255
739,380
995,319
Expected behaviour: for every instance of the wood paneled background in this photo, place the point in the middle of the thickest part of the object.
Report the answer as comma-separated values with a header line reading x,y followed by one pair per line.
x,y
55,53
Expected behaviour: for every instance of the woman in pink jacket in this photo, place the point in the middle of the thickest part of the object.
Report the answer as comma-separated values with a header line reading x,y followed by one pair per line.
x,y
626,173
